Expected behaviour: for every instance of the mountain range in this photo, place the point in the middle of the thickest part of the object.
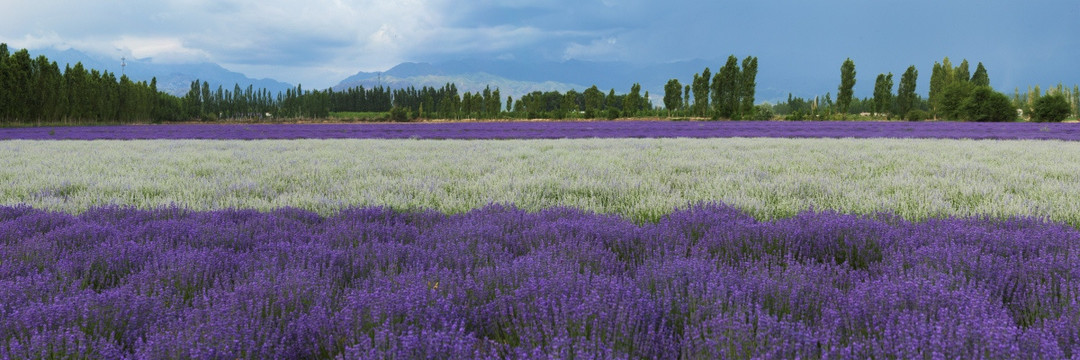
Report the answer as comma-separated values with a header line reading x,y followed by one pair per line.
x,y
171,78
513,77
516,78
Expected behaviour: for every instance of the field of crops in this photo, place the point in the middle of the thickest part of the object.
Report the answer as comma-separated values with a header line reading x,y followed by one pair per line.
x,y
584,248
559,130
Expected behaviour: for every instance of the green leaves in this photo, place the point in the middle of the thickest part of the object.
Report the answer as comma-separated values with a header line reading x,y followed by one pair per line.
x,y
905,94
1051,108
847,86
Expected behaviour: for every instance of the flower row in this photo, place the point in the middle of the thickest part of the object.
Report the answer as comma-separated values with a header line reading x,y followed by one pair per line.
x,y
709,281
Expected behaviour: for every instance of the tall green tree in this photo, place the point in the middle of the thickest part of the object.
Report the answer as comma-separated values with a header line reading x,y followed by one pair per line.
x,y
21,70
634,102
962,74
980,78
905,94
725,89
883,93
701,92
569,105
673,95
939,80
847,87
686,96
5,84
1076,100
594,102
952,100
748,84
937,83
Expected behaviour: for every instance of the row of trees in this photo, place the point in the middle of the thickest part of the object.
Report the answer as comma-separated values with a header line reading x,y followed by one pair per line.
x,y
1049,106
36,90
955,94
592,103
728,94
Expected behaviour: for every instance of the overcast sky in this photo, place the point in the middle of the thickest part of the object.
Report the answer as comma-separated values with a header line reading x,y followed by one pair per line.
x,y
318,42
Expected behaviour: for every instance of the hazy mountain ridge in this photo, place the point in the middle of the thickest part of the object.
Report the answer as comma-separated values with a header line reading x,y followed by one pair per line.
x,y
472,82
174,79
513,77
527,76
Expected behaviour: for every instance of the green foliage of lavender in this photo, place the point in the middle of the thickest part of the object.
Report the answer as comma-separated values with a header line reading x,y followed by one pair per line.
x,y
499,282
641,179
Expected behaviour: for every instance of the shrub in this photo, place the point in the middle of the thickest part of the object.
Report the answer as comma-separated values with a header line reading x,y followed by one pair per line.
x,y
612,114
984,104
763,112
400,114
916,115
1051,108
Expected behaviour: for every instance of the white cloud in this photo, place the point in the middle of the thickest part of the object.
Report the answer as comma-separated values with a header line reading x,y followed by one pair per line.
x,y
165,50
605,48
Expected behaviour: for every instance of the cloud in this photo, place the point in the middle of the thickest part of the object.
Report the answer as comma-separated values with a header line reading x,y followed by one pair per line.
x,y
599,49
167,50
306,41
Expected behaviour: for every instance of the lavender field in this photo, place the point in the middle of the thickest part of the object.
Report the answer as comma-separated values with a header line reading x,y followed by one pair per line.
x,y
706,282
640,179
566,248
559,130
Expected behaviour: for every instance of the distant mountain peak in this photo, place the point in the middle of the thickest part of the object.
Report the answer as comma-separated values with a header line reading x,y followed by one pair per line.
x,y
172,78
525,76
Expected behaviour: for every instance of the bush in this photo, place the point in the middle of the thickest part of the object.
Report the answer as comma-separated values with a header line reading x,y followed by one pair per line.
x,y
612,114
763,112
916,115
1051,108
400,114
953,98
984,104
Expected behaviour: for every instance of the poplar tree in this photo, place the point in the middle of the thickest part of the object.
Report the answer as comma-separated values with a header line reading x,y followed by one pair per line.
x,y
1076,100
980,78
633,101
883,93
594,102
941,77
686,96
726,89
6,94
748,83
701,92
962,74
673,95
905,94
847,87
937,83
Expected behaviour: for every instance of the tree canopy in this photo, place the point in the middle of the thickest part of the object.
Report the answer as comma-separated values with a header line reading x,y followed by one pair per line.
x,y
847,86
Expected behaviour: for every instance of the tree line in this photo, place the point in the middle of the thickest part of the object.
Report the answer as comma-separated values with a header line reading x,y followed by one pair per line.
x,y
35,90
728,94
955,94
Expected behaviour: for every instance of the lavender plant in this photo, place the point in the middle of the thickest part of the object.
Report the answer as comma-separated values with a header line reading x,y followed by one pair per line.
x,y
642,179
558,130
708,281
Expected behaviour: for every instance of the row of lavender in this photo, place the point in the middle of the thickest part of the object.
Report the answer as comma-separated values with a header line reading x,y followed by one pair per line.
x,y
559,130
707,282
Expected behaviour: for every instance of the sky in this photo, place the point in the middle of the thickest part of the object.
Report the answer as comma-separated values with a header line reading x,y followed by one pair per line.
x,y
319,42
